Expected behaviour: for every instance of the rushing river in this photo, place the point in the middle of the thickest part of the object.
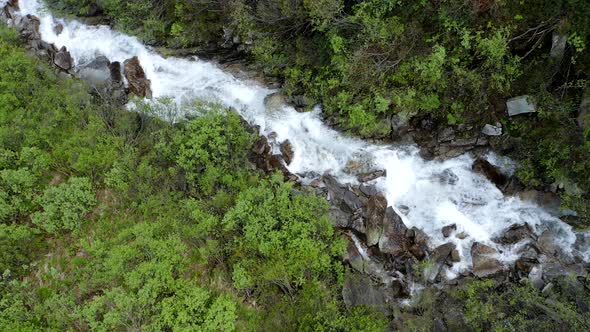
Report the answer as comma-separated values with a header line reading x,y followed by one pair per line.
x,y
413,186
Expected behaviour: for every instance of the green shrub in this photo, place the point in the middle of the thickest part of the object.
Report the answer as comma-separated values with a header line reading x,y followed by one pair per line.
x,y
65,206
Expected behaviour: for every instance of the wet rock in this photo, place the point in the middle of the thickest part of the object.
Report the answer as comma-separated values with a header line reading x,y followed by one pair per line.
x,y
339,218
520,105
417,251
447,177
352,201
528,258
446,134
28,27
63,59
370,176
58,28
516,233
275,101
393,240
362,163
484,262
547,245
300,103
536,277
139,85
420,238
354,257
448,230
261,147
455,256
552,270
375,212
287,151
97,72
492,130
368,189
548,200
490,171
438,259
115,69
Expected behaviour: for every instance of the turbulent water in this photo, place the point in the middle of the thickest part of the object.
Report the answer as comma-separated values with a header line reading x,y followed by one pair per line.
x,y
427,194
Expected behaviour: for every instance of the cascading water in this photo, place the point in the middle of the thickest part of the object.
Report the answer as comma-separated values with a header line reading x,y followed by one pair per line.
x,y
427,194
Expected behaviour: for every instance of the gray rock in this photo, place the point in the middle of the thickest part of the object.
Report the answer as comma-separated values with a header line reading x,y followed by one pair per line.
x,y
359,290
491,172
546,243
547,289
368,189
393,240
370,176
484,262
520,105
97,72
536,277
492,130
438,259
516,233
448,230
558,44
58,28
351,200
447,177
339,218
275,102
63,59
375,212
553,270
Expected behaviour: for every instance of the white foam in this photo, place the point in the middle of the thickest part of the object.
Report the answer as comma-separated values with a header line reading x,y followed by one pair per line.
x,y
430,194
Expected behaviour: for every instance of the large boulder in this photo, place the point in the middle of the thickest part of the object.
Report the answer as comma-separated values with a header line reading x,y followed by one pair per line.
x,y
96,72
287,151
492,129
359,290
275,101
516,233
139,85
438,259
520,105
483,260
547,245
490,171
63,59
393,240
28,27
375,212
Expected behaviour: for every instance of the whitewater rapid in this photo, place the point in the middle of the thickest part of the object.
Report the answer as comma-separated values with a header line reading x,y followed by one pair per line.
x,y
427,194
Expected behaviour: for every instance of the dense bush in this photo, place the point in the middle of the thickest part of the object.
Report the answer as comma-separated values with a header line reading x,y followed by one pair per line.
x,y
117,220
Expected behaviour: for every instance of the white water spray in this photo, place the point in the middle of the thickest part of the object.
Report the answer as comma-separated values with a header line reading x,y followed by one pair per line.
x,y
427,194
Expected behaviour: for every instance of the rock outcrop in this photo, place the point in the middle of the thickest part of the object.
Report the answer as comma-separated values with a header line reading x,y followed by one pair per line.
x,y
138,83
484,260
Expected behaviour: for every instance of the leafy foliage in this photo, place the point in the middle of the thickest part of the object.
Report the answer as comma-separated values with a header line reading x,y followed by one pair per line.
x,y
117,220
